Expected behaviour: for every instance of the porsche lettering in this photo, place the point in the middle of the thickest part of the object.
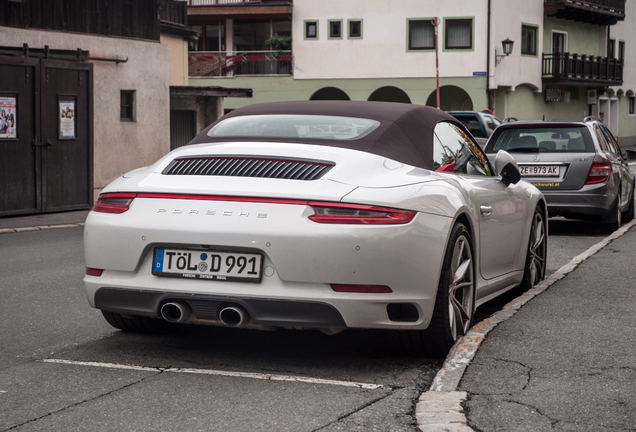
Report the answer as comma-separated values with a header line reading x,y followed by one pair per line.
x,y
259,215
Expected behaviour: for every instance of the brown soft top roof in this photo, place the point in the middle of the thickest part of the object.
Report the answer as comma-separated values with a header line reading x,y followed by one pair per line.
x,y
405,133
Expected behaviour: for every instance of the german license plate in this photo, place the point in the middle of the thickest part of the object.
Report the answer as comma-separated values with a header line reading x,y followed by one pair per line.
x,y
539,170
210,265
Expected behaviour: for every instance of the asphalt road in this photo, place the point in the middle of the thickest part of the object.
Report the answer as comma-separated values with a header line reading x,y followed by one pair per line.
x,y
63,368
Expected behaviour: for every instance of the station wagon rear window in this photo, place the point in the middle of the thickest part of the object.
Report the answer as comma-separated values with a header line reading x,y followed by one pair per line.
x,y
541,139
294,126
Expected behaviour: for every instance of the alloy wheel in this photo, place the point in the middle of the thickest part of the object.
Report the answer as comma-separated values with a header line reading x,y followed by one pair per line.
x,y
461,288
537,249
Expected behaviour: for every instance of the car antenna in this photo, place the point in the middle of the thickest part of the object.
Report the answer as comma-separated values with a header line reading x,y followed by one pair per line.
x,y
543,117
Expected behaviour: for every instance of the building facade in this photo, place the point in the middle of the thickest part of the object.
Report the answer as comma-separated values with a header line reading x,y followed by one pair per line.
x,y
569,59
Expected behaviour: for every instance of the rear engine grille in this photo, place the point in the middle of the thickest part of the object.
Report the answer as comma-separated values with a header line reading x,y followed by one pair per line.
x,y
249,167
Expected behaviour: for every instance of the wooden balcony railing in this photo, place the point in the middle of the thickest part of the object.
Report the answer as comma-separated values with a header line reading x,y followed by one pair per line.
x,y
224,64
582,69
600,12
219,2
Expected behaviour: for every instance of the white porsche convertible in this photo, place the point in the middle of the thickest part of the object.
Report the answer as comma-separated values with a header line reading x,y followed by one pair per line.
x,y
324,215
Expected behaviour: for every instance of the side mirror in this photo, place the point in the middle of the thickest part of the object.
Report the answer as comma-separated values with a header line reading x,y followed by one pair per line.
x,y
506,166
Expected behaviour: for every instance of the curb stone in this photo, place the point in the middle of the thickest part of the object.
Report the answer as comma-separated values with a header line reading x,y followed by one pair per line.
x,y
439,409
39,228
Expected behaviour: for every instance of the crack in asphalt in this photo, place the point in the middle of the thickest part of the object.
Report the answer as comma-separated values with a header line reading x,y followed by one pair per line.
x,y
139,381
357,410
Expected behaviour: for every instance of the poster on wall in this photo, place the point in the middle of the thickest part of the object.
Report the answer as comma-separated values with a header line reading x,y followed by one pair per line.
x,y
8,117
67,120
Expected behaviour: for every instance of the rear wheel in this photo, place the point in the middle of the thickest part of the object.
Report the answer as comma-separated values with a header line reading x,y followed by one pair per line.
x,y
138,324
534,270
454,304
613,222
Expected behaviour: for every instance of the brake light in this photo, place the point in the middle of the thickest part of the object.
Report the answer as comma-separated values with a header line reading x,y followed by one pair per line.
x,y
94,271
337,213
114,202
599,172
361,288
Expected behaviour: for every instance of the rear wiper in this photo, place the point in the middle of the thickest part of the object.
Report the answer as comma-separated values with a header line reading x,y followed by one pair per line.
x,y
524,150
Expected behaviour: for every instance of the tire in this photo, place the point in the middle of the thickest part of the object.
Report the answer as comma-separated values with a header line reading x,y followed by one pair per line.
x,y
454,304
138,324
536,254
613,222
629,213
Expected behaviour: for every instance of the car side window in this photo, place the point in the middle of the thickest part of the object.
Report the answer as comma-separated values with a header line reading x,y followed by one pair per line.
x,y
601,140
490,122
611,140
455,152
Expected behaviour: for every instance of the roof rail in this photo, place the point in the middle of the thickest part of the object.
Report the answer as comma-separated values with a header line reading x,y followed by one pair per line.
x,y
591,118
510,119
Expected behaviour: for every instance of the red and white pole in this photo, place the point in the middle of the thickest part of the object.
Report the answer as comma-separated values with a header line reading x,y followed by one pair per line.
x,y
435,22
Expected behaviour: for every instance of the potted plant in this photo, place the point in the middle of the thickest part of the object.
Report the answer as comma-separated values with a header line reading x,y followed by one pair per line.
x,y
280,43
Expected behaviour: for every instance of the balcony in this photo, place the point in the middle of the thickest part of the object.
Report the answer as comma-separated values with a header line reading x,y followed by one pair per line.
x,y
235,63
219,2
575,69
600,12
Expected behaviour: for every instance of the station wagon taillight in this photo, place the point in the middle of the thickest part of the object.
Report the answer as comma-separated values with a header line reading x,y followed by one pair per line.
x,y
599,172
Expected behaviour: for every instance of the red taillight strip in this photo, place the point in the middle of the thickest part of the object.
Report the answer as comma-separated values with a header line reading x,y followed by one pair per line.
x,y
222,198
119,202
114,202
391,216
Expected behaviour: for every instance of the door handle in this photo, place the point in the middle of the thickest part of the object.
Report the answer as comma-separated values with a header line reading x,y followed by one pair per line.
x,y
47,143
486,210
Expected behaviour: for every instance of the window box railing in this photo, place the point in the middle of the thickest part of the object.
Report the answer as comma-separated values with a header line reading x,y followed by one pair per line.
x,y
566,67
173,12
225,64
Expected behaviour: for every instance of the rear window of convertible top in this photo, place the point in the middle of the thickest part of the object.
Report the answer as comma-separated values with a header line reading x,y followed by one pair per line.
x,y
295,126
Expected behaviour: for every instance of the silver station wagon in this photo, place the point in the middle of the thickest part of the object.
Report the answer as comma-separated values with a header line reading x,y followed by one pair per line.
x,y
577,165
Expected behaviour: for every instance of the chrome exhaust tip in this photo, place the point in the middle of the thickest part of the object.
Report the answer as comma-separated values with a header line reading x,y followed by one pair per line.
x,y
176,312
234,316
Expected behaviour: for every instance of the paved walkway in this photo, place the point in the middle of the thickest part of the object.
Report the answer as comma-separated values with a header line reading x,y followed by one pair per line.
x,y
563,360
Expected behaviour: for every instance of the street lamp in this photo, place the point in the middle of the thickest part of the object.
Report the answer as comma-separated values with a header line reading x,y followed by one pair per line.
x,y
507,50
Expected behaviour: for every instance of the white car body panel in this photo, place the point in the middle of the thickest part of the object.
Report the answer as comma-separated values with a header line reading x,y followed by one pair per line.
x,y
302,258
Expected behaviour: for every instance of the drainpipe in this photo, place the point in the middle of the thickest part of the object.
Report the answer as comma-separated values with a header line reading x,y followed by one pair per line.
x,y
488,92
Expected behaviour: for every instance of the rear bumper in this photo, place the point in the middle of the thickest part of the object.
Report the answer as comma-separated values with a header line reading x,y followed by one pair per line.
x,y
264,312
592,202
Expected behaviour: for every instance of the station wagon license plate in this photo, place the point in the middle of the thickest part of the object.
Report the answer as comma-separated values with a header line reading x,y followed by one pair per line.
x,y
210,265
539,170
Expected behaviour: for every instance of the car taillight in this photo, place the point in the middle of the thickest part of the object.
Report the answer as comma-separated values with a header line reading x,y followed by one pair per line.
x,y
94,271
599,172
361,288
336,213
114,202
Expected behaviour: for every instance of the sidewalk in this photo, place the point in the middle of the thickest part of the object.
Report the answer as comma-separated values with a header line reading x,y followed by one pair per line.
x,y
42,221
562,360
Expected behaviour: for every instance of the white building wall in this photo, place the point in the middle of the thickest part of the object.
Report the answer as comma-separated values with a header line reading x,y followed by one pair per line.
x,y
515,69
382,51
118,146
